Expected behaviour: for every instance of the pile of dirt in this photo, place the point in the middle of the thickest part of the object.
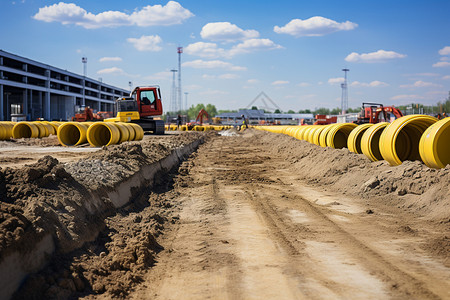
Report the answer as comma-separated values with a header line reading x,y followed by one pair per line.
x,y
69,201
110,266
412,185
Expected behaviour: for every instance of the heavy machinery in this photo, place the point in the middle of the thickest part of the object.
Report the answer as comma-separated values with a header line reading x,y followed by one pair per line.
x,y
141,108
202,114
370,113
85,113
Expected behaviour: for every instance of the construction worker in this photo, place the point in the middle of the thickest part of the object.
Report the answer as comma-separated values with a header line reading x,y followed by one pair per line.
x,y
244,122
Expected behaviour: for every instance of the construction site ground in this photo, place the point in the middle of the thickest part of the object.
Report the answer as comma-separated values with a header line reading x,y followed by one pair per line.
x,y
243,215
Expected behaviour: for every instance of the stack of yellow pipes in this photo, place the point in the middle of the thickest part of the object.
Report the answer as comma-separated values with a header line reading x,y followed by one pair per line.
x,y
412,137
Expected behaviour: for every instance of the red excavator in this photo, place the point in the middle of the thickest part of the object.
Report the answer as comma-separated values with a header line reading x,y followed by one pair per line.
x,y
201,114
370,113
85,114
141,108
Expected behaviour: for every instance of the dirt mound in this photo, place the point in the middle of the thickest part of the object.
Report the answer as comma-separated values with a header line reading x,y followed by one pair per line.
x,y
66,204
412,185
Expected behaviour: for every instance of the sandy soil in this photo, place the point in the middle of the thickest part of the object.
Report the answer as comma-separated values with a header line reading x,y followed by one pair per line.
x,y
251,228
251,216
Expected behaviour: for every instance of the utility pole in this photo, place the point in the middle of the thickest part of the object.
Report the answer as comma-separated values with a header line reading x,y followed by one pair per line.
x,y
173,94
180,100
84,61
344,97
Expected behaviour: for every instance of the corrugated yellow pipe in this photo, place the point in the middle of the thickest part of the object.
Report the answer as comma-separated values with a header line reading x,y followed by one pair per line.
x,y
124,133
72,133
25,130
434,145
400,140
139,132
370,141
338,134
354,139
103,134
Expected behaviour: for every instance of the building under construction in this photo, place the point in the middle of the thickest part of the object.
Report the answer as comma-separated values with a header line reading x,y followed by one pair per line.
x,y
34,90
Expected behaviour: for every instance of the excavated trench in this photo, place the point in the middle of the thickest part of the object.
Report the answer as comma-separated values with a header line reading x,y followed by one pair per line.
x,y
55,217
244,204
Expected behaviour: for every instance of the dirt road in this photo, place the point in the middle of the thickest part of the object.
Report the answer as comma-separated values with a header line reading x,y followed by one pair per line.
x,y
249,228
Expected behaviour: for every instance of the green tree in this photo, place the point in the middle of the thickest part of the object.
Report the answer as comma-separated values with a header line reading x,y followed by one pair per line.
x,y
254,108
211,110
335,111
304,111
322,111
277,111
291,111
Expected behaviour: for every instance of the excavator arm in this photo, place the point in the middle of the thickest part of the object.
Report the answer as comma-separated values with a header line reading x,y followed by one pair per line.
x,y
202,114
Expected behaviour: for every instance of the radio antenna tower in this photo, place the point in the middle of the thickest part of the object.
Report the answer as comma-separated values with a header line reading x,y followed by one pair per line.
x,y
173,94
180,99
344,97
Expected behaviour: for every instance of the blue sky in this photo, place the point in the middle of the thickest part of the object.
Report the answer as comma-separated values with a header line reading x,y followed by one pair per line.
x,y
398,52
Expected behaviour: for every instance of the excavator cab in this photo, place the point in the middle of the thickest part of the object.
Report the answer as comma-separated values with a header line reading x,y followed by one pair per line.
x,y
143,104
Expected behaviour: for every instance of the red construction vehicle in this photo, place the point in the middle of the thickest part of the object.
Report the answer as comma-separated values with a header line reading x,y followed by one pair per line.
x,y
370,113
324,120
85,114
201,114
142,107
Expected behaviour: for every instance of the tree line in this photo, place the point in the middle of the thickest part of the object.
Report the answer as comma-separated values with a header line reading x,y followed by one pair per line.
x,y
212,111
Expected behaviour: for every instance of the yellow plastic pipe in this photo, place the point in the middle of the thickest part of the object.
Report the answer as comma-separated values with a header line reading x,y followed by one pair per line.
x,y
400,140
103,134
324,134
138,131
434,145
354,138
130,129
317,133
338,135
124,133
370,141
6,130
72,134
25,130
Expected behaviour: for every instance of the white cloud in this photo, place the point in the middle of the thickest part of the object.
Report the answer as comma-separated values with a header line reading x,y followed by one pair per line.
x,y
211,50
106,59
252,81
303,84
113,70
206,50
213,93
444,58
225,31
337,80
252,45
379,56
207,76
446,77
146,43
375,83
441,64
407,97
280,82
69,13
419,84
212,64
445,51
229,76
315,26
164,75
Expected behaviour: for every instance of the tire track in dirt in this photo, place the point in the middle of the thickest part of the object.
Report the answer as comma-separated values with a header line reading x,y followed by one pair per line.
x,y
248,231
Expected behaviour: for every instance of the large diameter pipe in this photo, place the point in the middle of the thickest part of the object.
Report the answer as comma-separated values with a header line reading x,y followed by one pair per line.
x,y
123,131
6,130
25,130
338,135
103,134
400,140
370,141
434,145
138,131
354,139
72,133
